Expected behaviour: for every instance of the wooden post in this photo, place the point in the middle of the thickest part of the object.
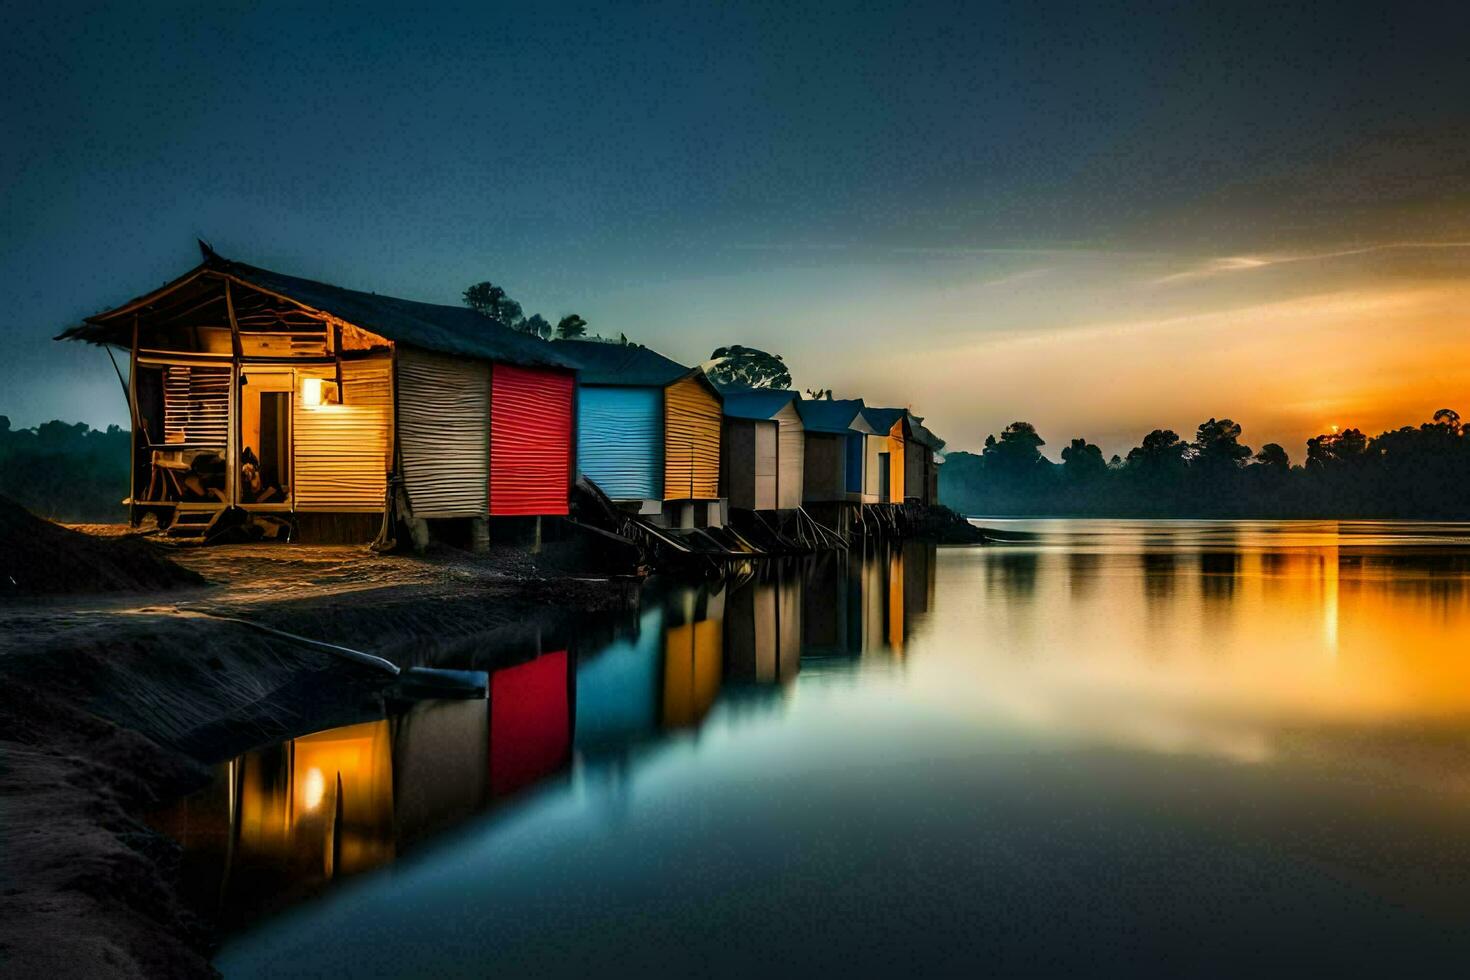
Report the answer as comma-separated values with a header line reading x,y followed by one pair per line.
x,y
337,351
133,518
232,404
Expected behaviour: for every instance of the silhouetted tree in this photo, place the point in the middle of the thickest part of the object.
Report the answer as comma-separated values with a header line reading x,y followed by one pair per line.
x,y
1082,460
570,327
536,326
490,300
1162,451
1334,448
1273,456
737,365
1413,471
1217,443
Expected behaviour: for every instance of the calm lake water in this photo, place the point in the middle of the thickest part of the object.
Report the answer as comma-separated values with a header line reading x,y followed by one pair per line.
x,y
1164,748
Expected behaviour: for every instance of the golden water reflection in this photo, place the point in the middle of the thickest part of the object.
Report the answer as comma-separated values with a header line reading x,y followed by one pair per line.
x,y
1241,640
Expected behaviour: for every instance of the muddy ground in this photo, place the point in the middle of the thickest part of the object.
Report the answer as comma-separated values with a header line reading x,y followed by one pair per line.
x,y
114,704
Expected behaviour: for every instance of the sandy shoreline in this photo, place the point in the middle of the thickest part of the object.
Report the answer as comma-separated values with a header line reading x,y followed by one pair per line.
x,y
115,704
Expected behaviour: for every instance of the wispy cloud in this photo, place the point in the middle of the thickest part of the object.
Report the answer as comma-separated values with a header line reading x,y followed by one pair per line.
x,y
1245,263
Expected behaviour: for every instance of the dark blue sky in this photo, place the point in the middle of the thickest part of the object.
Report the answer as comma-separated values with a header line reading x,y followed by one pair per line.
x,y
692,176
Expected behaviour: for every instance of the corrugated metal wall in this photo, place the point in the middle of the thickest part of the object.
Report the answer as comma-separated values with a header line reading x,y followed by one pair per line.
x,y
791,458
342,451
691,441
620,440
530,440
444,433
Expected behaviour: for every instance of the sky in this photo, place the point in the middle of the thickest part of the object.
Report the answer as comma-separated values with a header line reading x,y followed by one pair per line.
x,y
1098,218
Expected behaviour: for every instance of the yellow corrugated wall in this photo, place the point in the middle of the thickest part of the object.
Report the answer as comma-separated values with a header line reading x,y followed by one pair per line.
x,y
691,441
342,452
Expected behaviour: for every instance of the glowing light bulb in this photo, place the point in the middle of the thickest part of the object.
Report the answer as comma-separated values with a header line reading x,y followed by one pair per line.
x,y
313,789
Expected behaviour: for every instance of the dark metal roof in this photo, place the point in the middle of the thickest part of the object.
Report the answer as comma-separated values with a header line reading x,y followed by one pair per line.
x,y
756,403
628,365
923,436
430,326
824,415
882,419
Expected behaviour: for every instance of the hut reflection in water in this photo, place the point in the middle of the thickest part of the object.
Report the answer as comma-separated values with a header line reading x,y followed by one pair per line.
x,y
282,822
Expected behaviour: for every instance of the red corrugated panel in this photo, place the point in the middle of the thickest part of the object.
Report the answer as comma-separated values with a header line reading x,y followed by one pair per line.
x,y
530,440
530,722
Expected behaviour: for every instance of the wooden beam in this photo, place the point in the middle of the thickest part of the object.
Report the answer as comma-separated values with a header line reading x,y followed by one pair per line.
x,y
234,325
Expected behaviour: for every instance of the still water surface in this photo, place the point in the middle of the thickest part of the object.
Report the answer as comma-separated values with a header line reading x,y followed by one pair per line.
x,y
1161,748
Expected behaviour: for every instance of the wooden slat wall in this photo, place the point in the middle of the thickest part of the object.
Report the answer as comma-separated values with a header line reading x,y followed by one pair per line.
x,y
822,466
691,441
872,492
791,458
444,433
342,451
196,405
766,471
913,469
530,440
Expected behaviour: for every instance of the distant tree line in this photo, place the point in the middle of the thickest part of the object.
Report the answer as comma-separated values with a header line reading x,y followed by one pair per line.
x,y
65,472
1412,472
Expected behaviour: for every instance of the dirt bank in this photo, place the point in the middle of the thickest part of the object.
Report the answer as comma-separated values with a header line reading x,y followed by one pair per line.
x,y
41,558
115,703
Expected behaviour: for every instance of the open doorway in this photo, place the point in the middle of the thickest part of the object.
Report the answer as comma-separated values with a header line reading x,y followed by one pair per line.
x,y
265,439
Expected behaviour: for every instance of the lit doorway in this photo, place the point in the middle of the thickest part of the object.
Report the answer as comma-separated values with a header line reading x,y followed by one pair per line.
x,y
265,439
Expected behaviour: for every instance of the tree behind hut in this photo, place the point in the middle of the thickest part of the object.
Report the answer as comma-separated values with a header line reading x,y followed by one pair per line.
x,y
571,327
748,366
490,300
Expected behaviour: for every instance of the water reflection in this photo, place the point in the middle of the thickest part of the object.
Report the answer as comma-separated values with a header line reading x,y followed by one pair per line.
x,y
1225,748
282,822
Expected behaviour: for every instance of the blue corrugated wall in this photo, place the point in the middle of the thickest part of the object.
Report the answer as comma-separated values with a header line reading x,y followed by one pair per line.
x,y
854,462
620,440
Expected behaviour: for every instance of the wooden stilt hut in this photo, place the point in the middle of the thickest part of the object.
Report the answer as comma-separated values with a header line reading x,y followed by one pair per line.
x,y
891,427
648,432
841,460
253,389
922,458
765,449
